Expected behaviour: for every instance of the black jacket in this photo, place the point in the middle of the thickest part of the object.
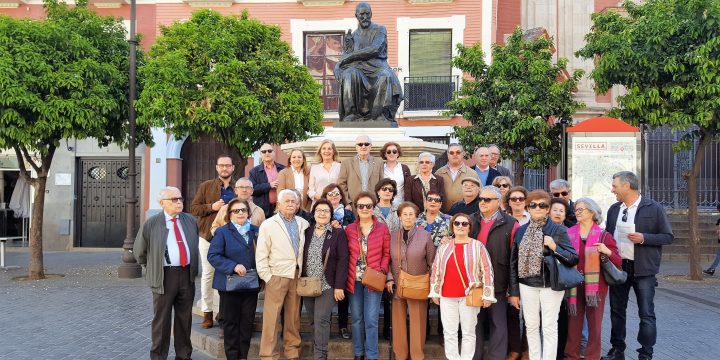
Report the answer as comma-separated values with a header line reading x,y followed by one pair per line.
x,y
652,221
491,175
565,252
261,187
498,246
462,207
337,265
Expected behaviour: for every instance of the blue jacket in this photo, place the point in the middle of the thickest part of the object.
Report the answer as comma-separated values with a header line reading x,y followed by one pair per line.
x,y
652,221
227,249
261,187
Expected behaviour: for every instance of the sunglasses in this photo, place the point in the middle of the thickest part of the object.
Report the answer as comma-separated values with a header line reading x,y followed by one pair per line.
x,y
333,193
558,194
455,152
175,200
625,215
424,162
434,199
387,188
541,205
461,223
503,185
366,144
517,199
268,151
364,206
484,199
391,152
239,210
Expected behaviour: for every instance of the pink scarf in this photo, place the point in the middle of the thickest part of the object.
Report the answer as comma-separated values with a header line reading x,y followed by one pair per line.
x,y
591,270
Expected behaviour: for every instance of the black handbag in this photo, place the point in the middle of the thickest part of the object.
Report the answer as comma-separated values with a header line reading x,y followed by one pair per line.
x,y
611,273
249,282
562,277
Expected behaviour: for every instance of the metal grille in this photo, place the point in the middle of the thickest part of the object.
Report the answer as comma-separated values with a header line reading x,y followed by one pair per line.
x,y
429,92
534,179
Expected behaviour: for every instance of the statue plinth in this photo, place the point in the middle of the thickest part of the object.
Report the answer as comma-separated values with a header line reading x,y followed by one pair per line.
x,y
364,124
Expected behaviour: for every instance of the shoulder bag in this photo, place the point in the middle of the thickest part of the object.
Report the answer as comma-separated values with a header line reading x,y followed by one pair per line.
x,y
372,278
562,277
413,287
248,282
474,296
611,273
310,286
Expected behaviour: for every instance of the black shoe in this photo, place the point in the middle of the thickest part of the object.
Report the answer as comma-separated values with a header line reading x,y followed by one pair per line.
x,y
360,357
614,354
344,333
710,272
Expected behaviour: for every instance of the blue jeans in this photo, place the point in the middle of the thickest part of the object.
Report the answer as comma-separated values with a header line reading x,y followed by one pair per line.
x,y
717,259
644,287
365,314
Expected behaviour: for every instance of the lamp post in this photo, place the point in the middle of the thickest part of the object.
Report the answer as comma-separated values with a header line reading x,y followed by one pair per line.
x,y
130,269
563,147
643,160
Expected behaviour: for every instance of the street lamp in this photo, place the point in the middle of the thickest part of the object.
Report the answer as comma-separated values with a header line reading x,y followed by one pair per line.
x,y
130,269
563,147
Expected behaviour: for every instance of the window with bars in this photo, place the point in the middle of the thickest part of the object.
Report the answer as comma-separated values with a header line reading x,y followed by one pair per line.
x,y
322,52
430,84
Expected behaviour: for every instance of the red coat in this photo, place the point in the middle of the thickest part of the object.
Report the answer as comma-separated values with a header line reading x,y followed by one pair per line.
x,y
378,253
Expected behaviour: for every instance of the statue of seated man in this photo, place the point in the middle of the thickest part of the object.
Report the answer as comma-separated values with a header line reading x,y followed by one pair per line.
x,y
370,90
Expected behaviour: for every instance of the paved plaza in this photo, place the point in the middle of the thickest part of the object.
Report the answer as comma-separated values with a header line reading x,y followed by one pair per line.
x,y
91,314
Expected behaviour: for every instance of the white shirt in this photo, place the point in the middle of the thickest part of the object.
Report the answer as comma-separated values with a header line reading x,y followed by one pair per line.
x,y
299,177
173,252
397,175
625,246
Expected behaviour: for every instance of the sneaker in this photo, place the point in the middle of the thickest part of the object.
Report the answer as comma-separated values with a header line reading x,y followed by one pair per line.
x,y
344,333
614,354
710,272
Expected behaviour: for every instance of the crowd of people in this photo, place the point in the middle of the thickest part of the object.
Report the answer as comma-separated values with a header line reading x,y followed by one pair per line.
x,y
365,233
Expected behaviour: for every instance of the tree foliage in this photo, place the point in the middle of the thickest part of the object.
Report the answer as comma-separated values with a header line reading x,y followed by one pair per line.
x,y
513,101
666,53
230,77
63,77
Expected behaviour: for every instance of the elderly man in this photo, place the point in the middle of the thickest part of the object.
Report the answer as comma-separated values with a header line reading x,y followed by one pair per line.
x,y
210,197
167,246
264,179
469,202
482,166
641,227
560,188
243,191
452,174
495,162
370,90
279,260
495,229
360,172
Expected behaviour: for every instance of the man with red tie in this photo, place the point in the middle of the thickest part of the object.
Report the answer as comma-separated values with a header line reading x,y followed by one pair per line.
x,y
167,246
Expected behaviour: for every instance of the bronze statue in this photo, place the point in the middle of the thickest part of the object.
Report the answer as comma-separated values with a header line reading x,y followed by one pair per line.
x,y
369,89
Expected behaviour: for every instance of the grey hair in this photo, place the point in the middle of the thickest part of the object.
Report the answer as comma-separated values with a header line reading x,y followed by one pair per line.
x,y
477,151
493,146
628,177
426,154
494,189
167,189
237,183
593,207
292,192
455,145
559,184
363,136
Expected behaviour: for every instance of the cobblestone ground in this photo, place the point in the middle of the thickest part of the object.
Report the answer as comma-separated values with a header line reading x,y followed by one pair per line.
x,y
91,314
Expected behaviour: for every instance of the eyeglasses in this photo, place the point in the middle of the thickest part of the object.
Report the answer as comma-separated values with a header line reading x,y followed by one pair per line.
x,y
333,193
322,211
365,144
393,151
557,194
239,210
244,187
495,154
503,185
424,162
455,152
579,210
268,151
461,223
517,199
175,200
387,188
625,215
364,206
541,205
484,199
434,199
225,165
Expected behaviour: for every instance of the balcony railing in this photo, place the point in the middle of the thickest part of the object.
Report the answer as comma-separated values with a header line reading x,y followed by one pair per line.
x,y
330,92
429,92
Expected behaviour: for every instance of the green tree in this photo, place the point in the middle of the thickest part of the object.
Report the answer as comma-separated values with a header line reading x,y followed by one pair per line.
x,y
514,101
63,77
229,77
666,53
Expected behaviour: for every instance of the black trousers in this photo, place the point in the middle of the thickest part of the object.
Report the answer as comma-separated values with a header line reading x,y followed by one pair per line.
x,y
343,307
562,329
238,309
517,335
179,295
496,318
387,313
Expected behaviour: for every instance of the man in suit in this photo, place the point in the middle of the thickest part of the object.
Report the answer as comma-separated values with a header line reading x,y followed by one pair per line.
x,y
495,162
560,188
360,172
641,227
167,246
453,174
264,179
278,260
482,166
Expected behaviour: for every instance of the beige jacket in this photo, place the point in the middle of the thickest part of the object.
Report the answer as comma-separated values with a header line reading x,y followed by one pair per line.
x,y
349,179
453,189
274,255
286,180
257,216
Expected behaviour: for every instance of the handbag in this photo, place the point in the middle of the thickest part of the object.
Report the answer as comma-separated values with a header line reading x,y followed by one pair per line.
x,y
310,286
372,278
250,281
612,274
562,277
475,295
413,287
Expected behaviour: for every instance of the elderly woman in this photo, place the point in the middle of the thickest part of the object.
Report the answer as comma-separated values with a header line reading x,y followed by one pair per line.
x,y
588,300
432,220
411,251
385,211
558,214
461,264
504,183
232,251
529,276
325,257
326,171
424,182
515,204
558,210
296,176
394,170
369,247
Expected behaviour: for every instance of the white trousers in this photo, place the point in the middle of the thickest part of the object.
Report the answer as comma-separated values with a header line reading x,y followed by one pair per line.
x,y
206,278
537,303
453,311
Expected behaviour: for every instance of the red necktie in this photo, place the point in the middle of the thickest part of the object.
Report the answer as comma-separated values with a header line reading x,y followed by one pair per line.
x,y
181,244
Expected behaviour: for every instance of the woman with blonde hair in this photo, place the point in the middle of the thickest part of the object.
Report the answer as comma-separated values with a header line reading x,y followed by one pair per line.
x,y
326,171
296,176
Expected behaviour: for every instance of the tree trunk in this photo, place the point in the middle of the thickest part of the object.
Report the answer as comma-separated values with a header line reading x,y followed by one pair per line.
x,y
520,173
36,270
691,178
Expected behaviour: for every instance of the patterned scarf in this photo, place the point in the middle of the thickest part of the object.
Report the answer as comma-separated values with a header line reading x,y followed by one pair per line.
x,y
591,270
530,253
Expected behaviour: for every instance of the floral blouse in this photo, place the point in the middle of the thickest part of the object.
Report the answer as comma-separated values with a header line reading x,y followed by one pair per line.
x,y
316,259
438,229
